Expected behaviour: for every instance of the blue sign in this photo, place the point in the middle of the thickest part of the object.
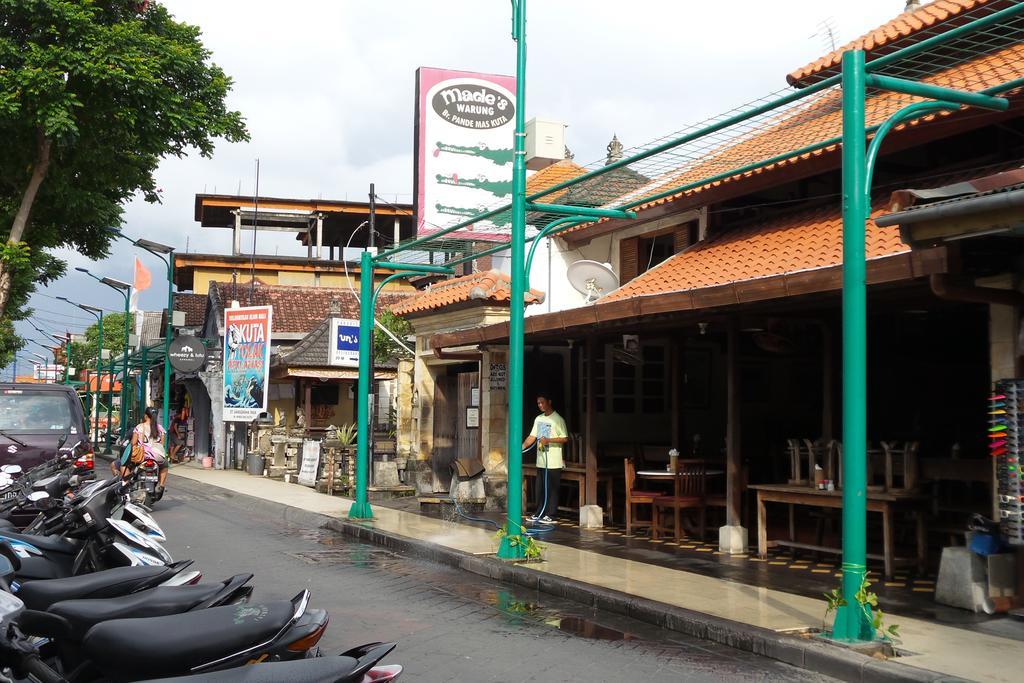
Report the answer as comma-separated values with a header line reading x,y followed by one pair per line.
x,y
345,349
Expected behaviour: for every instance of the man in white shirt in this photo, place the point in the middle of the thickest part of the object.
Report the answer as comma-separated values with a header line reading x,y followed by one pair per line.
x,y
550,435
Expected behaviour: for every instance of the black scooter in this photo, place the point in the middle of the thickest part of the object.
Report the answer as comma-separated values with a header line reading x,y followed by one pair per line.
x,y
215,641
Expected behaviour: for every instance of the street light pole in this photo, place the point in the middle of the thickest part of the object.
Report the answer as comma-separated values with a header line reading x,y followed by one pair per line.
x,y
124,289
512,546
160,250
97,313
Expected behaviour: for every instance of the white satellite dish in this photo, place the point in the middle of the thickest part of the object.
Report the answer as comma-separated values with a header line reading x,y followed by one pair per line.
x,y
592,278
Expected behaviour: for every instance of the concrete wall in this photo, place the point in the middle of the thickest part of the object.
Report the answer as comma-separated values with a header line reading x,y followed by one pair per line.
x,y
276,276
1003,332
555,255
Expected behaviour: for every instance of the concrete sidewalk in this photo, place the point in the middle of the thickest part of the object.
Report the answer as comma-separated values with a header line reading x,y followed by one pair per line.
x,y
757,619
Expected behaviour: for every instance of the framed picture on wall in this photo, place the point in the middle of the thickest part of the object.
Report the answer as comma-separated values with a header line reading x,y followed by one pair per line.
x,y
696,379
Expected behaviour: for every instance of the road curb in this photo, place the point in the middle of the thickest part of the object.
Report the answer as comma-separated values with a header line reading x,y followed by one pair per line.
x,y
798,651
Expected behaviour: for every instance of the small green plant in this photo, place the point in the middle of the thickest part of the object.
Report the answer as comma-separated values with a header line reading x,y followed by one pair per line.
x,y
868,602
347,434
532,550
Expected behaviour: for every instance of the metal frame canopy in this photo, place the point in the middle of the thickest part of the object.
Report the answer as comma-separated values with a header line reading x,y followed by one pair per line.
x,y
833,109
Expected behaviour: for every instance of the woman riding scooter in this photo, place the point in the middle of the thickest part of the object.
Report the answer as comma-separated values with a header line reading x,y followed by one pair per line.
x,y
148,435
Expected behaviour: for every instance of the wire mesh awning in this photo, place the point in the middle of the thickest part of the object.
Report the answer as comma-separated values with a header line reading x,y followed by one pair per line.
x,y
981,51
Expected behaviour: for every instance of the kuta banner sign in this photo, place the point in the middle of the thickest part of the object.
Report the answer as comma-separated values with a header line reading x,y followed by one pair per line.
x,y
246,362
344,349
465,126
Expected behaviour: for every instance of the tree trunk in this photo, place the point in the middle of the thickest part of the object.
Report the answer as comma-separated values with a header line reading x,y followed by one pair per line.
x,y
39,169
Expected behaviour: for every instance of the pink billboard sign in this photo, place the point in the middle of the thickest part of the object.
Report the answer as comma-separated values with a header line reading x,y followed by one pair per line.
x,y
465,126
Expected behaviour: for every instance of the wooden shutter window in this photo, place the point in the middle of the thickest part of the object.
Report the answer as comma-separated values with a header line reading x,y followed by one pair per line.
x,y
682,236
628,258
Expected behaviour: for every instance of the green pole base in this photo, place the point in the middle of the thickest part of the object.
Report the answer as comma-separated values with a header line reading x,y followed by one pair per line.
x,y
360,511
853,624
512,548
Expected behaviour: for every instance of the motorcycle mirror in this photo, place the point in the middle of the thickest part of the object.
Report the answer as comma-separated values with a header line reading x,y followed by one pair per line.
x,y
11,469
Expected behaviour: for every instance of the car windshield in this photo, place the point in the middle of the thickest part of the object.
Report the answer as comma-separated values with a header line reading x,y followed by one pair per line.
x,y
28,411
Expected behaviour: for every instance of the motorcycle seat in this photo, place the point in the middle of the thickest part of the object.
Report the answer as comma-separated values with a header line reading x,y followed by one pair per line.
x,y
155,602
299,671
48,544
186,641
42,593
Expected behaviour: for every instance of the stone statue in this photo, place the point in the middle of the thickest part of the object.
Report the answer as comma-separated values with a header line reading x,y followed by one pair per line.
x,y
300,417
614,150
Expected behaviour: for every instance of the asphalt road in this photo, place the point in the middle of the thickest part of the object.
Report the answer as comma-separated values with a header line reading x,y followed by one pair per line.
x,y
450,625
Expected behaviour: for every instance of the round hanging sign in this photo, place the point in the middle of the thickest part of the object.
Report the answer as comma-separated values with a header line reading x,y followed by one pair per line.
x,y
187,353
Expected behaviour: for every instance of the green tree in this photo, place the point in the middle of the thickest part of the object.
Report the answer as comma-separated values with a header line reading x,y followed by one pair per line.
x,y
384,347
93,94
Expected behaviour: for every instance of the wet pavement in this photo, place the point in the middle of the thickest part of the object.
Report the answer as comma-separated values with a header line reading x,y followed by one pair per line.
x,y
799,572
450,625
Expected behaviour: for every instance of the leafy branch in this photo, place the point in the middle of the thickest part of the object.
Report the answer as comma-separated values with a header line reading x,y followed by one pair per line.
x,y
868,602
532,550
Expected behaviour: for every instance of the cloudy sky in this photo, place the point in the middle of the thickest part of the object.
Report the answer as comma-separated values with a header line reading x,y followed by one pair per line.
x,y
326,87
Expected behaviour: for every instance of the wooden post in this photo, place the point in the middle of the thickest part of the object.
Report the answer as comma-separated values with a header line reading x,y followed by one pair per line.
x,y
733,479
309,405
827,383
590,425
675,399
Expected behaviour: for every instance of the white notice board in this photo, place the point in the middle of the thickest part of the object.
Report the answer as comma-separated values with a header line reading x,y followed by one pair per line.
x,y
310,463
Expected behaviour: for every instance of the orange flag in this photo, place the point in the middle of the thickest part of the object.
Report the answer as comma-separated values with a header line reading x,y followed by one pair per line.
x,y
143,279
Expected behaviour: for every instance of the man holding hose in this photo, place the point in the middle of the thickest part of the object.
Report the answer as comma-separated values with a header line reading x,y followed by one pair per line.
x,y
550,435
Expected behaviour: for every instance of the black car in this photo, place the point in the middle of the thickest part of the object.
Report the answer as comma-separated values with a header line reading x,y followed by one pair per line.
x,y
37,421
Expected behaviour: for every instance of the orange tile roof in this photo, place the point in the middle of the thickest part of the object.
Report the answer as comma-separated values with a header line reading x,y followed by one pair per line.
x,y
490,286
881,40
808,240
818,119
556,173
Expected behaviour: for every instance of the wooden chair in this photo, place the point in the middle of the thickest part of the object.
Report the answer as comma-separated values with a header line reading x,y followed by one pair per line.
x,y
690,484
635,497
901,466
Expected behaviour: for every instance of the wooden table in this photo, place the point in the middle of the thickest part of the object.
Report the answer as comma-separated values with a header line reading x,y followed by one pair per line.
x,y
667,476
885,502
578,474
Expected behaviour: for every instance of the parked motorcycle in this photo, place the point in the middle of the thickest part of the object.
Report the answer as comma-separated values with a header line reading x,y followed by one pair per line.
x,y
91,531
280,636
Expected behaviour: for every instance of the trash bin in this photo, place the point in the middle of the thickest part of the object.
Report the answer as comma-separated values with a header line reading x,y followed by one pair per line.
x,y
254,464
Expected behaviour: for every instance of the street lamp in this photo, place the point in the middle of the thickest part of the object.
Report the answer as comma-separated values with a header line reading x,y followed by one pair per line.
x,y
65,339
165,254
124,289
97,313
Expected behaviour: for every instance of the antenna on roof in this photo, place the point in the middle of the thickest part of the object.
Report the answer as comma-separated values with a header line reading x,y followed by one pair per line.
x,y
828,32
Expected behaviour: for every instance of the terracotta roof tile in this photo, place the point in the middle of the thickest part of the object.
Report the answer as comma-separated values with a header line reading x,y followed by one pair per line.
x,y
820,119
296,309
491,286
194,306
807,240
880,40
556,173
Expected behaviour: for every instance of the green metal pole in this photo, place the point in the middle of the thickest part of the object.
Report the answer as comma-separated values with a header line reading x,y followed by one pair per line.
x,y
99,381
361,507
512,546
852,621
167,346
67,359
122,414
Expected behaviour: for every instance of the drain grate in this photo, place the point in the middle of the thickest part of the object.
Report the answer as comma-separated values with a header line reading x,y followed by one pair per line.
x,y
353,556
